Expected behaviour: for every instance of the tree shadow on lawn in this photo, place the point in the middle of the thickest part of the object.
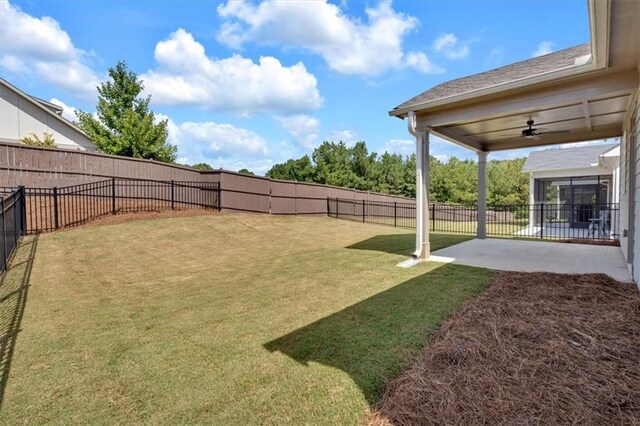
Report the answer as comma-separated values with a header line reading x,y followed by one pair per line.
x,y
14,287
405,243
375,339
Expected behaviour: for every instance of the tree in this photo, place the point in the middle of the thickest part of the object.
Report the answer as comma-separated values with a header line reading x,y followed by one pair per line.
x,y
246,172
202,166
301,170
33,140
455,181
124,124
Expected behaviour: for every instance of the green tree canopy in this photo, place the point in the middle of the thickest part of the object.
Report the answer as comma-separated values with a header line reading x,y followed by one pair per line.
x,y
246,172
454,181
124,124
202,166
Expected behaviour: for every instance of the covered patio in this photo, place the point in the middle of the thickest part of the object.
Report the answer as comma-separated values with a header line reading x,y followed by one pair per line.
x,y
537,256
582,93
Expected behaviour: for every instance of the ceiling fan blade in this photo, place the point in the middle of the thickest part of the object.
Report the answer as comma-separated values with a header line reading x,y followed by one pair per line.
x,y
553,131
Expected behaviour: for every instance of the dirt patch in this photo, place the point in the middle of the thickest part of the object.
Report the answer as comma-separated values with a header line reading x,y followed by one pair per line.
x,y
123,217
535,348
614,243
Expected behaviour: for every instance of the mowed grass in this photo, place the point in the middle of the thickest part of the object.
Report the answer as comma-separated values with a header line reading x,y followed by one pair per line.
x,y
222,319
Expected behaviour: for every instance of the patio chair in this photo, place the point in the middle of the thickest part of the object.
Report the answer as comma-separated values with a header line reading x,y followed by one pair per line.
x,y
598,224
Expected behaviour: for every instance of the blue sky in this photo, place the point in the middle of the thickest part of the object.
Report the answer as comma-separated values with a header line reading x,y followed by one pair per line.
x,y
254,83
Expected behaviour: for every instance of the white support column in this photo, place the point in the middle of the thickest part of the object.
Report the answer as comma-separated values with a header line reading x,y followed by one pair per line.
x,y
422,251
482,195
425,245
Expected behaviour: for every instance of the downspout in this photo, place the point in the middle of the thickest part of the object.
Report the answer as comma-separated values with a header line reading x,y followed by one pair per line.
x,y
411,126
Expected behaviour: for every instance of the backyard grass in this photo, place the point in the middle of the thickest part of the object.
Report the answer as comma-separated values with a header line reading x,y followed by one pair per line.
x,y
217,319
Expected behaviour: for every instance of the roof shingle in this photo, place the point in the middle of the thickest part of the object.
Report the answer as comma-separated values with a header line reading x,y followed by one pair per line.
x,y
506,74
565,158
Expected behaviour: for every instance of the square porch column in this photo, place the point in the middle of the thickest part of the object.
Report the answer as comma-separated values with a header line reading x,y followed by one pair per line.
x,y
482,195
424,198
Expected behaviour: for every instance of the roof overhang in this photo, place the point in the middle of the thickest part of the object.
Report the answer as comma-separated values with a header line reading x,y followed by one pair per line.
x,y
587,101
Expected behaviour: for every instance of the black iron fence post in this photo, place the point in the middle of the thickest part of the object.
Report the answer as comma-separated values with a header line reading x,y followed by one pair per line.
x,y
433,215
113,195
395,214
56,214
173,197
328,208
23,213
363,207
541,220
4,234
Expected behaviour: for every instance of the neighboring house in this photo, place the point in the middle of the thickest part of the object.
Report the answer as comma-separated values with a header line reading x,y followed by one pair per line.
x,y
583,175
582,93
22,114
576,184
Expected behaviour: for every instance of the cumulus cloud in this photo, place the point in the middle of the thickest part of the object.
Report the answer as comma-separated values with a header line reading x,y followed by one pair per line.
x,y
544,48
302,128
348,45
202,141
68,112
403,147
187,76
349,137
39,47
448,45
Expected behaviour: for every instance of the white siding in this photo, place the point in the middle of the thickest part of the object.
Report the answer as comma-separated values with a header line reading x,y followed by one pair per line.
x,y
19,117
633,134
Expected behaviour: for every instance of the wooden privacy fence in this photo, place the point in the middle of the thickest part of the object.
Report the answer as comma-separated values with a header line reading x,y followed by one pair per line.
x,y
46,168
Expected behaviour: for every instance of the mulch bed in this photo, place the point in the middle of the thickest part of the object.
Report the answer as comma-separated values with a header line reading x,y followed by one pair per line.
x,y
614,243
535,348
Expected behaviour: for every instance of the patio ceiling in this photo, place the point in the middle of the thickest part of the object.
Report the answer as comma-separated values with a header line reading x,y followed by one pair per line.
x,y
587,108
583,91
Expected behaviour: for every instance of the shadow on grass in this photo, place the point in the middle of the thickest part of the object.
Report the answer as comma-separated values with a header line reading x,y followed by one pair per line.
x,y
375,339
404,244
14,287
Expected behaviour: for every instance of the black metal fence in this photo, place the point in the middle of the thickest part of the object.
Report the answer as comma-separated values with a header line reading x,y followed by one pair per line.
x,y
48,209
12,223
546,221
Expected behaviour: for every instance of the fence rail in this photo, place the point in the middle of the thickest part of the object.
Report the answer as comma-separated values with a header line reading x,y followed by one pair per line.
x,y
48,209
12,224
545,221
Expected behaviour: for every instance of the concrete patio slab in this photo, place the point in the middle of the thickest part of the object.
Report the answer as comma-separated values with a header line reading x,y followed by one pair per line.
x,y
537,256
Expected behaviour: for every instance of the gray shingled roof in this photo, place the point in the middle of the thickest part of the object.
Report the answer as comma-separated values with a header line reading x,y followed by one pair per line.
x,y
565,158
509,73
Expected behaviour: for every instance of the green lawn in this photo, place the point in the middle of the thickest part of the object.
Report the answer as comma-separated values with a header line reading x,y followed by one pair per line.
x,y
218,319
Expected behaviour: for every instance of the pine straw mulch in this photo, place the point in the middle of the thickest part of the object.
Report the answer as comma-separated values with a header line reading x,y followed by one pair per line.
x,y
594,242
535,348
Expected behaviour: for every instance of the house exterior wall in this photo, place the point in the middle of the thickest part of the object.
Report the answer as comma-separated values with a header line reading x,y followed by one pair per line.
x,y
630,188
19,117
634,139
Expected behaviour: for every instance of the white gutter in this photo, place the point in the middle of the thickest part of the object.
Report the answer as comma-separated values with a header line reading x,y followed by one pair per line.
x,y
411,126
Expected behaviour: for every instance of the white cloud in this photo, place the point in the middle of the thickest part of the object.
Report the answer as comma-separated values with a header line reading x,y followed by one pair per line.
x,y
68,112
448,45
349,137
403,147
302,128
187,76
544,47
202,141
39,46
348,45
